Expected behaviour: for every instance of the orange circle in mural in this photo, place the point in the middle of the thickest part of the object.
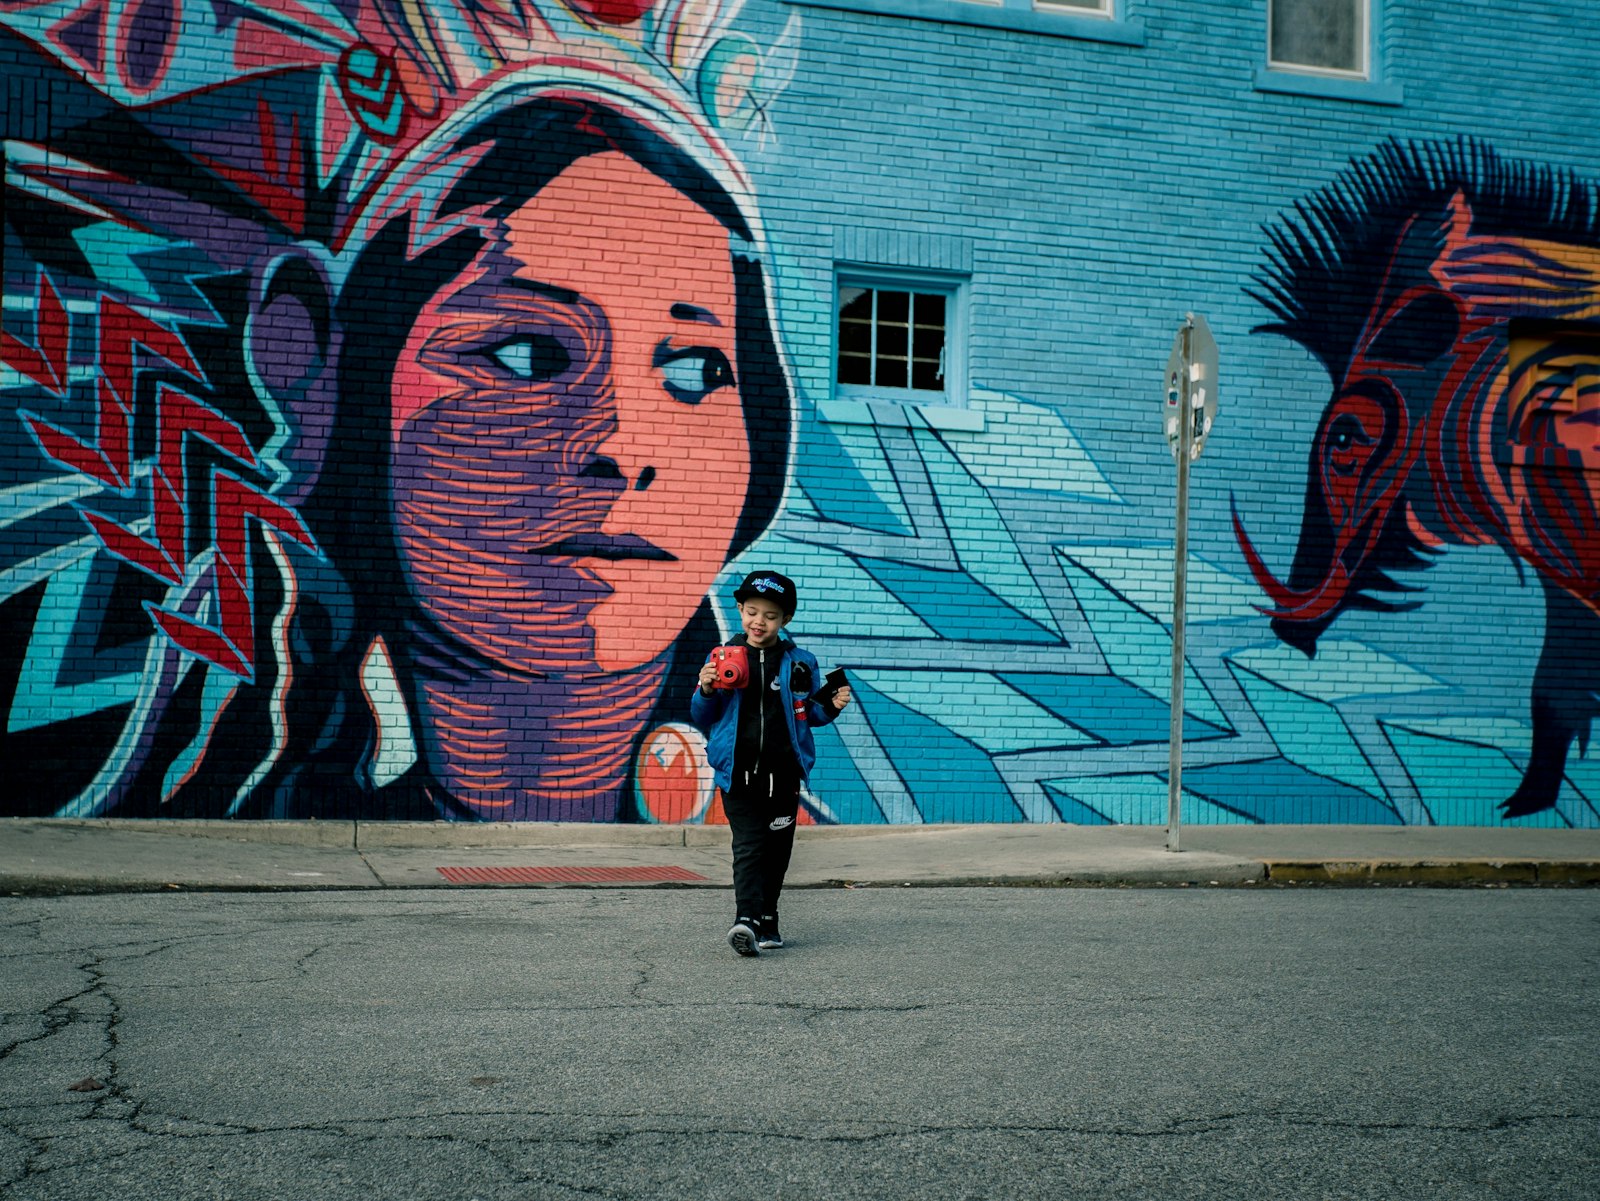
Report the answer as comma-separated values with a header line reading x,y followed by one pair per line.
x,y
672,777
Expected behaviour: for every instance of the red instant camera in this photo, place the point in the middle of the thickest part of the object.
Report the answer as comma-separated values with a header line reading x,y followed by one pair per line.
x,y
733,666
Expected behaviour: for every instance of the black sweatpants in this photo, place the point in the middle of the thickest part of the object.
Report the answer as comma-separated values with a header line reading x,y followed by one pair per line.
x,y
762,812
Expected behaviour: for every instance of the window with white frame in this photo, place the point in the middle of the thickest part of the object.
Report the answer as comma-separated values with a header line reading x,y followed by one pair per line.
x,y
1085,20
1093,8
898,338
1100,8
1320,37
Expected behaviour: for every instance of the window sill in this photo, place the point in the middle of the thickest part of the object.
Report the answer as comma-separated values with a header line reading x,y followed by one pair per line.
x,y
1329,87
1023,20
901,416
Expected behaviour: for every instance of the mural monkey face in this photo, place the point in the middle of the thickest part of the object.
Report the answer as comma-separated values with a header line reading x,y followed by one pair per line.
x,y
568,446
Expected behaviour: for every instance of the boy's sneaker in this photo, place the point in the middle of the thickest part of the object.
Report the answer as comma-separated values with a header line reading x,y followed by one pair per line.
x,y
742,937
767,936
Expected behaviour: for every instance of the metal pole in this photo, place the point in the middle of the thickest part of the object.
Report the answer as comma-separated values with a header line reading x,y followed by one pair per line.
x,y
1180,565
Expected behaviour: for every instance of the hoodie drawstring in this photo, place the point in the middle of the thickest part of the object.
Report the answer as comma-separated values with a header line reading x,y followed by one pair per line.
x,y
772,783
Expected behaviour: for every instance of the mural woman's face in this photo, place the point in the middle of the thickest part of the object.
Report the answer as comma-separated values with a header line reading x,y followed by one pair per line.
x,y
569,455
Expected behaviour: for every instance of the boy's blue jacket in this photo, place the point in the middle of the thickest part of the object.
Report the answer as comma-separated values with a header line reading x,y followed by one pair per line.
x,y
717,716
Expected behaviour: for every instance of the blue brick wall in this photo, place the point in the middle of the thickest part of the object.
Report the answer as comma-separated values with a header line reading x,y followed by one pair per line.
x,y
346,630
1105,190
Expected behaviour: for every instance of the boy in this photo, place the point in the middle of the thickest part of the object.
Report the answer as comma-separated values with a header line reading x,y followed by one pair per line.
x,y
759,741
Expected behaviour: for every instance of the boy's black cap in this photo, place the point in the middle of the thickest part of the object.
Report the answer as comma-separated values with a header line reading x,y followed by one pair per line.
x,y
769,585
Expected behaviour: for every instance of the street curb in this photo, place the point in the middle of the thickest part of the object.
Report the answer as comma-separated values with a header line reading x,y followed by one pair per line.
x,y
1232,876
20,886
1428,873
64,856
1280,874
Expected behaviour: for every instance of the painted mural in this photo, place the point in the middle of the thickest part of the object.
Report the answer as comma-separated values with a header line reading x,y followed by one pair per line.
x,y
1464,407
401,455
390,394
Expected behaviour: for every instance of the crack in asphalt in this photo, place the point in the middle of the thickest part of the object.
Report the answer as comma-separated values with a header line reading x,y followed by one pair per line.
x,y
702,1125
811,1013
302,964
645,968
62,1014
114,1106
74,1126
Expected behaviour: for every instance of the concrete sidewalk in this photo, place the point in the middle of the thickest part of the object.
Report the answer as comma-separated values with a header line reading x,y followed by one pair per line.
x,y
41,856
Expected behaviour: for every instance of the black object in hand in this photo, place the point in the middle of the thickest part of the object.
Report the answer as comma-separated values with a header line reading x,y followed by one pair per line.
x,y
831,683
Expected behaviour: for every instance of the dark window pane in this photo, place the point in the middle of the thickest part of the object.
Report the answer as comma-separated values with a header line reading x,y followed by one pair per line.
x,y
855,337
1318,33
855,369
892,341
892,338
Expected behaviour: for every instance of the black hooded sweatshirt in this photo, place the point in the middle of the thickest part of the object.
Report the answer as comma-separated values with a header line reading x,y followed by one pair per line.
x,y
763,757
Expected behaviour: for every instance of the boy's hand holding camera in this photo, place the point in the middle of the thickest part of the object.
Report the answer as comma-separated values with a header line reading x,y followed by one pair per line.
x,y
727,669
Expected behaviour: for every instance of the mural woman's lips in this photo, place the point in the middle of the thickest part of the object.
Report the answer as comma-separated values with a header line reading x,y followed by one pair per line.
x,y
605,546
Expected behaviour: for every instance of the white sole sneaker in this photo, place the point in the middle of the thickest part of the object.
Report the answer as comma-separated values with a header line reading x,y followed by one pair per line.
x,y
743,939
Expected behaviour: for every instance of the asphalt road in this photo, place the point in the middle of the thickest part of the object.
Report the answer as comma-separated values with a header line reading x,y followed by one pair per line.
x,y
909,1043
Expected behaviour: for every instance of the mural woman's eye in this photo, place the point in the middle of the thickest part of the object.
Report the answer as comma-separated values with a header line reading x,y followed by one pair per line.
x,y
532,357
693,374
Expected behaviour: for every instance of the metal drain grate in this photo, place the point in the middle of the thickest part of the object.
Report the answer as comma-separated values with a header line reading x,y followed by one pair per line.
x,y
571,875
